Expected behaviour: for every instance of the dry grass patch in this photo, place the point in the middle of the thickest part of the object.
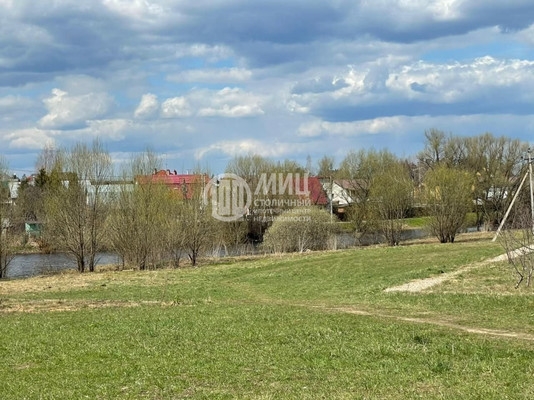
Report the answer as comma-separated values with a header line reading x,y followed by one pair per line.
x,y
461,238
64,281
59,305
69,281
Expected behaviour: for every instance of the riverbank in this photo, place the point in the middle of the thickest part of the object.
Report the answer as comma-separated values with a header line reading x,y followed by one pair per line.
x,y
31,261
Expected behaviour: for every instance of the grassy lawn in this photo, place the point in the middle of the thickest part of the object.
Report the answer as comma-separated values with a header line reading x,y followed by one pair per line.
x,y
314,325
417,222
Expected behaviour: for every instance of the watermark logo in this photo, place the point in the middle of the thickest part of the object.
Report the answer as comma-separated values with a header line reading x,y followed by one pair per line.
x,y
230,197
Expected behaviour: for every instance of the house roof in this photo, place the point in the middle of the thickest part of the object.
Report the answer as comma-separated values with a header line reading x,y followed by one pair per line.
x,y
339,195
186,184
311,184
173,178
317,193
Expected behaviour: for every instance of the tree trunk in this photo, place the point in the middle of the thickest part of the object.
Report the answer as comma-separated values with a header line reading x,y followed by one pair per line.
x,y
81,264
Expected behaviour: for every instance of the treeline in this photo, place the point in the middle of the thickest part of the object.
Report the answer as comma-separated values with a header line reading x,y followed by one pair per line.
x,y
85,209
149,225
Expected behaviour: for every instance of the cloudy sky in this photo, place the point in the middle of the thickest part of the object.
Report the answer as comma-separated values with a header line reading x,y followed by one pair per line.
x,y
200,81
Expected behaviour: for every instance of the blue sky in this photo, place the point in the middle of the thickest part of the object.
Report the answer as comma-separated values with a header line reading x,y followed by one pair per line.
x,y
201,81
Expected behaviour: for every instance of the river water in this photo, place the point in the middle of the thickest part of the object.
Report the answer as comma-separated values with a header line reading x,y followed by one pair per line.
x,y
24,265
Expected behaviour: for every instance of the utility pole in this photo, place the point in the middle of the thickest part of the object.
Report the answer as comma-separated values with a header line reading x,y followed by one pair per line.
x,y
331,199
529,173
531,194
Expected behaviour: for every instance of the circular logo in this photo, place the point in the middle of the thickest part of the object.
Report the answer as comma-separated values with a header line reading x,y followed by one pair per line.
x,y
229,196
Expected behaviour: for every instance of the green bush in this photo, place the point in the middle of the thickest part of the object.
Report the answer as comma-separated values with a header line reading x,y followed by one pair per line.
x,y
299,230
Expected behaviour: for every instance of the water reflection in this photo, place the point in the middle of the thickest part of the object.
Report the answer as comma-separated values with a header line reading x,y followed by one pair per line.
x,y
24,265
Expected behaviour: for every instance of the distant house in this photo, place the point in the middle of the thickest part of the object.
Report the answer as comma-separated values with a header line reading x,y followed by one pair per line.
x,y
307,189
339,195
8,194
187,185
33,228
317,194
107,192
14,186
6,200
10,186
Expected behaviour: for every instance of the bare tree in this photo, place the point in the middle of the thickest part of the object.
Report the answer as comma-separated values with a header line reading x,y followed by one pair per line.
x,y
326,167
7,214
448,199
30,199
250,168
357,171
232,235
198,225
47,158
391,197
76,208
495,162
33,190
519,247
434,150
517,240
139,222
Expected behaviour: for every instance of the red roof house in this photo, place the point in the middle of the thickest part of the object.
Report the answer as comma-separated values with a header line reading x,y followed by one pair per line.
x,y
187,184
317,195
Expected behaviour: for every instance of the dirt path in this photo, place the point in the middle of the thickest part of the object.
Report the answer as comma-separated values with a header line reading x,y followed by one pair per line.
x,y
422,284
438,322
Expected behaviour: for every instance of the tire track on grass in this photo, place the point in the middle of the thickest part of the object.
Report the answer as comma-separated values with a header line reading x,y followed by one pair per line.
x,y
436,322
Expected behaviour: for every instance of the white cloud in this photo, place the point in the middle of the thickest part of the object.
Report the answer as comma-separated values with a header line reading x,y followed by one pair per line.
x,y
81,84
311,129
469,87
65,110
175,107
226,103
17,111
148,107
246,146
402,126
231,111
113,129
373,126
364,73
229,102
136,9
527,35
32,138
296,107
460,81
445,9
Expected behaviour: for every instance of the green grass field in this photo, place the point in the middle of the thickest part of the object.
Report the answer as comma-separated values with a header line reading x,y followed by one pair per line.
x,y
307,326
